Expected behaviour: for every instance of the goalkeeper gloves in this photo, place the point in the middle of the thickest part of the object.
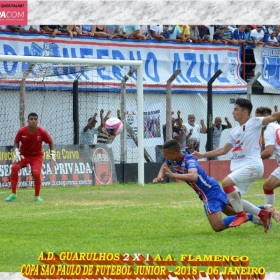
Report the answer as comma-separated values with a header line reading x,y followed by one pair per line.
x,y
52,156
18,156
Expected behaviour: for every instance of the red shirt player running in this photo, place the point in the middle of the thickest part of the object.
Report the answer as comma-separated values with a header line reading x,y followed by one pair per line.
x,y
30,152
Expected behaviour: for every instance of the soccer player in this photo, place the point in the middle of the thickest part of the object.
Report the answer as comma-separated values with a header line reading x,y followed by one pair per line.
x,y
272,146
30,152
246,163
208,189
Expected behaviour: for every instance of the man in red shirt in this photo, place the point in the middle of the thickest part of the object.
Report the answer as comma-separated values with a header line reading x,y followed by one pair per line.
x,y
30,152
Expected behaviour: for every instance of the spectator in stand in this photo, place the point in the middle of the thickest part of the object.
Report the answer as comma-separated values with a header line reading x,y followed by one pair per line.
x,y
228,37
87,133
156,31
29,28
121,30
84,30
16,28
146,31
194,33
165,33
267,31
257,35
277,32
53,29
239,34
185,33
249,54
211,30
113,31
70,29
204,33
272,41
134,32
218,37
232,27
99,30
175,32
193,131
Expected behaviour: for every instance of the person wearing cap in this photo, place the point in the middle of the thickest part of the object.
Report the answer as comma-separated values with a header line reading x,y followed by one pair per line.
x,y
218,35
87,133
228,37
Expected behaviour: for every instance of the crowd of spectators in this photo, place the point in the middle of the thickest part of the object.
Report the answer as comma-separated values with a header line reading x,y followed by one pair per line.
x,y
216,34
248,35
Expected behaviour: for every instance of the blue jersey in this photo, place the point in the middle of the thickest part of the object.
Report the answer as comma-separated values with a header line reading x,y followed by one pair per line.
x,y
205,186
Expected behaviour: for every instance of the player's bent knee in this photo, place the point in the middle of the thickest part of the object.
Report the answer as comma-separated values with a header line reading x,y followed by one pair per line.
x,y
219,226
36,174
267,186
15,167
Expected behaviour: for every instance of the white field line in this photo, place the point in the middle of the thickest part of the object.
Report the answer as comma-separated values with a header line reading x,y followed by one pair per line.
x,y
173,204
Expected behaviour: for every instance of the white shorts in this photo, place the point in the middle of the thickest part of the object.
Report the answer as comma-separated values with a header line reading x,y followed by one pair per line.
x,y
245,176
276,173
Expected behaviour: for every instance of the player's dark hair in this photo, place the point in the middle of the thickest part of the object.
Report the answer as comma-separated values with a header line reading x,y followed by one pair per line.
x,y
172,145
263,111
244,104
32,115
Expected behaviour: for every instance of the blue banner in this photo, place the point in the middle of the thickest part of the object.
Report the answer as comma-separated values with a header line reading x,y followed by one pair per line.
x,y
198,62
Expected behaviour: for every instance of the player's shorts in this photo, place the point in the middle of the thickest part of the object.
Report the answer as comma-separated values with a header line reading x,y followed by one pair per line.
x,y
216,204
35,163
245,176
276,173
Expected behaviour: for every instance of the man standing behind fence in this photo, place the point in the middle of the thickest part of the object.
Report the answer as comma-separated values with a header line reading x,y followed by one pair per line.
x,y
30,152
193,134
87,133
218,127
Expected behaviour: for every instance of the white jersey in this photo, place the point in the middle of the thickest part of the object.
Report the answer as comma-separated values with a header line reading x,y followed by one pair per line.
x,y
272,137
246,144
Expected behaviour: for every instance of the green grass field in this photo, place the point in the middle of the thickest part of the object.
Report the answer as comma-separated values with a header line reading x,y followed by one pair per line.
x,y
154,219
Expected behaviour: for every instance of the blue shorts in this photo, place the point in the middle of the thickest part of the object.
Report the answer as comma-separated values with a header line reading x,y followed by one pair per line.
x,y
216,204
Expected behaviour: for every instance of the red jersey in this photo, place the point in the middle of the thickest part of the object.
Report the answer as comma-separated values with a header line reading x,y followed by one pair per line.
x,y
31,143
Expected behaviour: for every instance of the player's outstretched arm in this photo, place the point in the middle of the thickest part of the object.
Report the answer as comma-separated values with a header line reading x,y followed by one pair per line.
x,y
272,118
218,152
191,176
160,175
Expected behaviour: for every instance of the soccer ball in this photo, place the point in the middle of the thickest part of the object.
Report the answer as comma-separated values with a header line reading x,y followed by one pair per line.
x,y
114,126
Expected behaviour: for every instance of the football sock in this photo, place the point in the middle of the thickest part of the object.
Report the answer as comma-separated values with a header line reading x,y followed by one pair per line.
x,y
228,220
250,208
14,177
234,198
37,181
269,196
